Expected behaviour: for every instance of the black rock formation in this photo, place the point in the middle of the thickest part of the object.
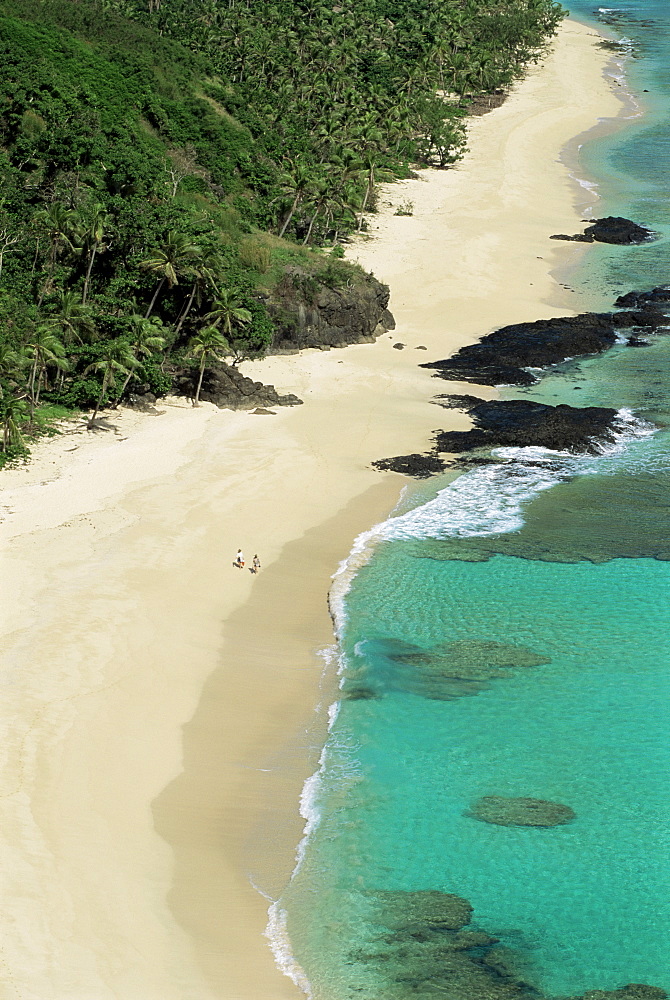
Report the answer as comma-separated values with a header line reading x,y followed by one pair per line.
x,y
307,312
503,356
640,300
230,389
613,229
417,466
144,401
522,423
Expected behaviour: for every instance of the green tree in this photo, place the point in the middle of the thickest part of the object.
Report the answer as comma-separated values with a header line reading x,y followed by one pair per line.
x,y
59,224
93,233
170,262
205,272
296,186
73,318
207,345
45,350
227,312
13,411
117,359
146,339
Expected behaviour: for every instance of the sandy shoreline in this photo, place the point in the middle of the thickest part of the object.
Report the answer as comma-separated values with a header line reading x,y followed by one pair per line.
x,y
160,706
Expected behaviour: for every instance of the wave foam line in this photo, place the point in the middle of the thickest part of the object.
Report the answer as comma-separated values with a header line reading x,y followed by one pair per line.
x,y
280,943
489,500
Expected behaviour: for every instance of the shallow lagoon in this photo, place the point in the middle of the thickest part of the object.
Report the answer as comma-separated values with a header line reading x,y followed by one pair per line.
x,y
571,566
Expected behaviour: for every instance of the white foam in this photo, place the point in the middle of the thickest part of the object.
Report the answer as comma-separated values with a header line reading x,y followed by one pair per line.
x,y
487,501
277,934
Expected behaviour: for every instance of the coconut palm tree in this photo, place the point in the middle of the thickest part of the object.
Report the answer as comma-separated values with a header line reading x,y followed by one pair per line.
x,y
59,224
170,262
11,363
117,359
227,311
93,233
207,345
296,185
146,338
45,350
204,272
12,410
73,319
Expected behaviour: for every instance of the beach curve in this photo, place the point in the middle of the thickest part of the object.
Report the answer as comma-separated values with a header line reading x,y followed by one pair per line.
x,y
160,705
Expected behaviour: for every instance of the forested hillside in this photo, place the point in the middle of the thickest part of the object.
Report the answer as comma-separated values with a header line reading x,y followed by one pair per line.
x,y
164,161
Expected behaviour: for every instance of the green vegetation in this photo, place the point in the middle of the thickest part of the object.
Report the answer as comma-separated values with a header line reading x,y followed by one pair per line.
x,y
163,161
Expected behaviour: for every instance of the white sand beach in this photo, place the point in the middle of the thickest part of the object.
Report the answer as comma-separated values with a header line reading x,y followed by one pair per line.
x,y
160,708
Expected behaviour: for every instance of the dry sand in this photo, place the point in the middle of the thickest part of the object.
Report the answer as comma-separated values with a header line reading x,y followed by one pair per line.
x,y
159,706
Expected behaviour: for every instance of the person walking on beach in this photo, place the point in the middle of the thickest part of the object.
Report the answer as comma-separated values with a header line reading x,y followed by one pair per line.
x,y
255,565
239,560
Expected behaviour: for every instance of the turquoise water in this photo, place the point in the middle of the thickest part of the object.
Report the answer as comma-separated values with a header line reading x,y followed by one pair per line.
x,y
510,636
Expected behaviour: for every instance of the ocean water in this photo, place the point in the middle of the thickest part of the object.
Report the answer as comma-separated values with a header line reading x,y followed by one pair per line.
x,y
507,634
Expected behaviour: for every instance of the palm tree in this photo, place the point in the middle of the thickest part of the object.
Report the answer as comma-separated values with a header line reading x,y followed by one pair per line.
x,y
59,223
93,234
207,345
170,262
12,409
11,362
117,359
297,185
204,272
45,350
73,319
146,338
227,311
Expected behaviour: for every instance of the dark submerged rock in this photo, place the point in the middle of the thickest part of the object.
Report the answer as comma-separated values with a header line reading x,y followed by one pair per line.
x,y
613,229
421,944
426,908
360,694
442,672
503,811
229,389
633,991
521,423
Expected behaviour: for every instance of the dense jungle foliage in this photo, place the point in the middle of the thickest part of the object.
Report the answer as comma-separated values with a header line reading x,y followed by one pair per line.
x,y
162,161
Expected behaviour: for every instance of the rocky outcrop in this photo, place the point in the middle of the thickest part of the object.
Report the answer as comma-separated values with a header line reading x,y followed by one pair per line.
x,y
641,300
144,401
416,465
516,423
309,312
502,357
612,229
523,423
503,811
229,389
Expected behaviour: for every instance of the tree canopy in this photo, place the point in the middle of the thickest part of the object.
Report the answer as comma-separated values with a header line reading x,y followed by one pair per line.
x,y
164,160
